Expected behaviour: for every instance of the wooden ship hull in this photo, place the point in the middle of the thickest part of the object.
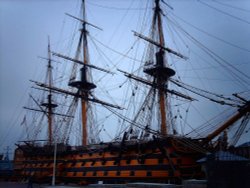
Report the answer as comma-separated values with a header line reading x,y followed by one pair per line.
x,y
165,159
159,160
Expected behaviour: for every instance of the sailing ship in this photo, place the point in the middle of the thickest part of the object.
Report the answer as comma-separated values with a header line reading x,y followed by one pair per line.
x,y
150,147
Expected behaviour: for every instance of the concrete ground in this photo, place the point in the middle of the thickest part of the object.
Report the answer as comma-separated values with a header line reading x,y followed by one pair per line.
x,y
16,185
25,185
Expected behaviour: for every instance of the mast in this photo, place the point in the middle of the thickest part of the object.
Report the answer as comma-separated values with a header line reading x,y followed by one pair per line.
x,y
159,71
49,104
85,92
160,80
84,86
84,103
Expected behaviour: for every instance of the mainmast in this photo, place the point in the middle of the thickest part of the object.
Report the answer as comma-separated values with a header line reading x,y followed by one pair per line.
x,y
159,71
49,104
84,86
84,103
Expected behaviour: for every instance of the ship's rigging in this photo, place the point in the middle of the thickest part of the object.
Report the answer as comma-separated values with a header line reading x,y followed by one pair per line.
x,y
159,90
154,97
83,86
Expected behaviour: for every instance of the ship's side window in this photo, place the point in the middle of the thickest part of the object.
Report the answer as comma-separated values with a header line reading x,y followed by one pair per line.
x,y
141,160
105,173
149,173
171,172
179,161
118,173
93,163
132,173
160,160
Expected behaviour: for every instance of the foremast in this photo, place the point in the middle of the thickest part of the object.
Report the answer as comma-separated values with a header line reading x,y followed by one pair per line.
x,y
83,85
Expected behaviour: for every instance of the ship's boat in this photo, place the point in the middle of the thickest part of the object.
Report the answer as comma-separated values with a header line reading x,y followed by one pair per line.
x,y
149,146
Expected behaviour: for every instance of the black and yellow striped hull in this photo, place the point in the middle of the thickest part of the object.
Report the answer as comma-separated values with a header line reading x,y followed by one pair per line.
x,y
152,161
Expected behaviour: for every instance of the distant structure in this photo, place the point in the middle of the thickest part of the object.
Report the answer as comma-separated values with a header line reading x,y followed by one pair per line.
x,y
6,166
226,170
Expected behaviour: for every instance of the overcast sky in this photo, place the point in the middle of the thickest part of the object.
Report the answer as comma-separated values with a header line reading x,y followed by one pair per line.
x,y
25,26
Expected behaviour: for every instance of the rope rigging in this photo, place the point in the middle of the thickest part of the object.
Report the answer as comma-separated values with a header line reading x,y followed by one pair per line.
x,y
241,77
119,8
206,94
209,34
231,6
223,12
241,129
143,116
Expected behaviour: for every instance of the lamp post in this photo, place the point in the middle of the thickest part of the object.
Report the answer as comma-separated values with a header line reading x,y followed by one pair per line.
x,y
54,165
